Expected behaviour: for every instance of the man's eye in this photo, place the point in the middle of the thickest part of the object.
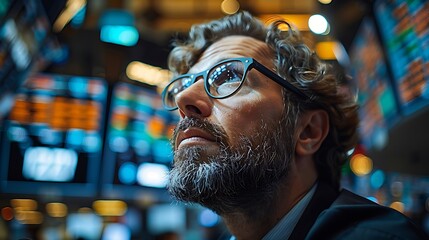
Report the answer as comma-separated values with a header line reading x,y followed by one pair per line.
x,y
223,76
232,76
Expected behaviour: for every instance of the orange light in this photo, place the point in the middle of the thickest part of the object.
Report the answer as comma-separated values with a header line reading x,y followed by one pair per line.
x,y
155,127
24,204
398,206
360,164
230,6
326,50
110,207
7,213
57,210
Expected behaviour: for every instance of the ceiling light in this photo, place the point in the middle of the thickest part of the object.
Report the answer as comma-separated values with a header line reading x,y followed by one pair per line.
x,y
325,1
230,6
318,24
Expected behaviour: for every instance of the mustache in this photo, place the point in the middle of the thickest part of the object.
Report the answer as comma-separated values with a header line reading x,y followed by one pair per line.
x,y
213,129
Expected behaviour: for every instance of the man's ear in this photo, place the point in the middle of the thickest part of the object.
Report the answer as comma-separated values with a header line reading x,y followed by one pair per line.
x,y
313,128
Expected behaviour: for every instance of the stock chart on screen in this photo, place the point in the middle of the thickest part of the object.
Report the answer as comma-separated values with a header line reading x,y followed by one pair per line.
x,y
404,28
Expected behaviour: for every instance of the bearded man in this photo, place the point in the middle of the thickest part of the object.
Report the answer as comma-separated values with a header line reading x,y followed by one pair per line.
x,y
264,131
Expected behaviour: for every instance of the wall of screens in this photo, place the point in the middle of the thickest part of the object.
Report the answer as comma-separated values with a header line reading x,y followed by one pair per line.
x,y
404,28
137,149
55,140
376,96
54,135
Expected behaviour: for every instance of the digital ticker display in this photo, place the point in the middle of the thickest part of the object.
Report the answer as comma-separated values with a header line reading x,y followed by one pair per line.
x,y
405,32
137,147
376,94
54,134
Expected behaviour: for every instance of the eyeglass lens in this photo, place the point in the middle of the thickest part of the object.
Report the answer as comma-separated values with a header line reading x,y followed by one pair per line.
x,y
175,88
222,80
225,79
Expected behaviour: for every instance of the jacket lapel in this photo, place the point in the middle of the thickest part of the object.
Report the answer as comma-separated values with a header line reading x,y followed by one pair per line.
x,y
322,199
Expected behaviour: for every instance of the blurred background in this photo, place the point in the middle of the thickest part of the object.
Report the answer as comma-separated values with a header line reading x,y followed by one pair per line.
x,y
84,143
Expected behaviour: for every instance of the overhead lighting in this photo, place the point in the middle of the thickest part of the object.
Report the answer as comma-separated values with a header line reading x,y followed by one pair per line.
x,y
318,24
117,27
325,1
121,35
230,6
148,74
71,9
79,17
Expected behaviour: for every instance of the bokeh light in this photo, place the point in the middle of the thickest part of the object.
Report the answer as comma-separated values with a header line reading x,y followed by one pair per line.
x,y
361,165
398,206
7,213
318,24
208,218
377,179
230,6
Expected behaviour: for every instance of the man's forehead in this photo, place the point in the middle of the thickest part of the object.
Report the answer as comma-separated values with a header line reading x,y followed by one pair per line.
x,y
234,46
238,41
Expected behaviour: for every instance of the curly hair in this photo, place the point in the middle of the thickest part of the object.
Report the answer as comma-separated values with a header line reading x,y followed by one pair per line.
x,y
301,66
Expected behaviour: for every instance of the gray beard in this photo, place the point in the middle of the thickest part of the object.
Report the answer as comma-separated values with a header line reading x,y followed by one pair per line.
x,y
243,179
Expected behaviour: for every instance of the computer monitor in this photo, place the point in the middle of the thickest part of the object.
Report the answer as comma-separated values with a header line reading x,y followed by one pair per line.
x,y
52,140
137,152
376,94
405,35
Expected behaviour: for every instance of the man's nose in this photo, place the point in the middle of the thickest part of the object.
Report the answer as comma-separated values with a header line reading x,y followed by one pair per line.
x,y
194,101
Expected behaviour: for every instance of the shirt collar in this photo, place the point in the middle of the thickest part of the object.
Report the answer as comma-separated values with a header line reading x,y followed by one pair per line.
x,y
285,226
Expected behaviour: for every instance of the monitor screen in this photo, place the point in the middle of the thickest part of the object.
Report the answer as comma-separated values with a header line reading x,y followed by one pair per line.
x,y
376,96
137,148
24,30
52,138
404,30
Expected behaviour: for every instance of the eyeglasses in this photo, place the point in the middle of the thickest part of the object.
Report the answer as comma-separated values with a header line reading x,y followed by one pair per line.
x,y
222,80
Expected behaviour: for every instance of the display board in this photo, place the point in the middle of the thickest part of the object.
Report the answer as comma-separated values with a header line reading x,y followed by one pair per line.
x,y
137,152
52,139
377,97
24,30
404,27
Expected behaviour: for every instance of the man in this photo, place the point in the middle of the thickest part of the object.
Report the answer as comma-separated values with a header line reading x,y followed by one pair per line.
x,y
263,134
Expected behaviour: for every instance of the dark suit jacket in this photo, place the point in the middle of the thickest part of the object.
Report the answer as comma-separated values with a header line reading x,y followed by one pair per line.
x,y
345,215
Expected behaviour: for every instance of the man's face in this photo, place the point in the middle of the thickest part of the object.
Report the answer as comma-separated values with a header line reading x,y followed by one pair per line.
x,y
228,151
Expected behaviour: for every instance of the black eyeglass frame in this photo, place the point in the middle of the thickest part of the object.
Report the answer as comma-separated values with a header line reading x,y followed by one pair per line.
x,y
249,64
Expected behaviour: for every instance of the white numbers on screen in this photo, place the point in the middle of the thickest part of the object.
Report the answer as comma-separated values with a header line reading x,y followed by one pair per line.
x,y
49,164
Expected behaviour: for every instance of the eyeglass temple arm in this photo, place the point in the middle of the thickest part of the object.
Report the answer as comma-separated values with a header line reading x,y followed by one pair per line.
x,y
283,82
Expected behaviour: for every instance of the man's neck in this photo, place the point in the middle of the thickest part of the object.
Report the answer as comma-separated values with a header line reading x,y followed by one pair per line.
x,y
245,225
